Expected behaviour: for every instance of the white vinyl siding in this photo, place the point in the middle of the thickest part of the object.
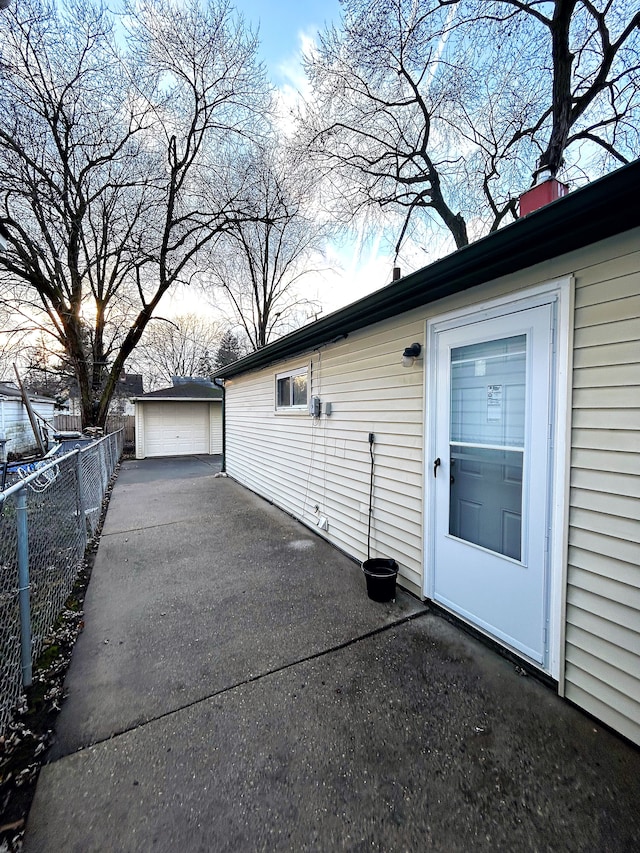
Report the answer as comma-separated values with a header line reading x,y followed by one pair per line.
x,y
16,426
215,428
602,668
301,463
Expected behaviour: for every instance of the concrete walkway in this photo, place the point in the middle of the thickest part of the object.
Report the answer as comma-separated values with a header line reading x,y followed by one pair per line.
x,y
234,689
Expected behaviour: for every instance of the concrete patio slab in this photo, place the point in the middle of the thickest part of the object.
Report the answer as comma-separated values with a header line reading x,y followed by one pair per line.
x,y
234,689
416,738
199,584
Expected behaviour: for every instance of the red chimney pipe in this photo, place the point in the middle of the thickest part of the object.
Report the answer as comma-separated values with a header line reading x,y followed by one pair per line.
x,y
547,189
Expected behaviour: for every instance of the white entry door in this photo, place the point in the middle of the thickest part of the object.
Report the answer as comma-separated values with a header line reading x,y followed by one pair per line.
x,y
490,466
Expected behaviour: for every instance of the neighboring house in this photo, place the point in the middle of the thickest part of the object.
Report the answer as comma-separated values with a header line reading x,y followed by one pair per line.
x,y
129,387
507,453
183,420
14,419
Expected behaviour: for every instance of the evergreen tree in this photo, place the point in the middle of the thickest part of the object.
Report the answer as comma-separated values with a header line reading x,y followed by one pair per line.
x,y
230,350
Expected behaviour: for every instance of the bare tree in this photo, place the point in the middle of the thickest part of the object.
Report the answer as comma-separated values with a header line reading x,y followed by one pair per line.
x,y
446,106
183,346
47,371
116,169
66,178
9,343
259,265
595,66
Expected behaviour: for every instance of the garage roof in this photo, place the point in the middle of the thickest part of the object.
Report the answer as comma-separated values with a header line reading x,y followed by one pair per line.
x,y
187,391
601,209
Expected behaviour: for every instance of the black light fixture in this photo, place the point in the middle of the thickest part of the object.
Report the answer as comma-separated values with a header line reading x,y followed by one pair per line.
x,y
410,354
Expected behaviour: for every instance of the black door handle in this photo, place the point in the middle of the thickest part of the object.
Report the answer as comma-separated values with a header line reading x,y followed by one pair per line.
x,y
436,464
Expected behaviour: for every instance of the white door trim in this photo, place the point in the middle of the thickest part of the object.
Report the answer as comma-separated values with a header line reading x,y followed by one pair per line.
x,y
560,293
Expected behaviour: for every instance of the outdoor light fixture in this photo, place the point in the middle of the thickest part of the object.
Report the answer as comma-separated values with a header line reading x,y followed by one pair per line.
x,y
410,354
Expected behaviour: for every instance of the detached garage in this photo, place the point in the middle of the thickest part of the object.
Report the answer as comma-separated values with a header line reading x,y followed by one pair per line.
x,y
180,421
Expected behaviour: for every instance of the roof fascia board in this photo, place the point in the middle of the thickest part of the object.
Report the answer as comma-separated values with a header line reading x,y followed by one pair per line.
x,y
177,399
595,212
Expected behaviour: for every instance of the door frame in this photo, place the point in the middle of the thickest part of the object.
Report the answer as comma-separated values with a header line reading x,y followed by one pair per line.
x,y
559,293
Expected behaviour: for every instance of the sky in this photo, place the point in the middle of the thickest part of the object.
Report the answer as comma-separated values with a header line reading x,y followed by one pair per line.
x,y
286,27
352,267
283,25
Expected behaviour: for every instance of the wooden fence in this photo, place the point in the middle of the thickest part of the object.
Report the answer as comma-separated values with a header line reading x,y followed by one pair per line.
x,y
66,423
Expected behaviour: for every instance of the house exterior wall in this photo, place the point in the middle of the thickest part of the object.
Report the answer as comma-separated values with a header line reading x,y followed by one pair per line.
x,y
602,671
215,428
319,468
122,406
14,422
301,463
139,431
73,407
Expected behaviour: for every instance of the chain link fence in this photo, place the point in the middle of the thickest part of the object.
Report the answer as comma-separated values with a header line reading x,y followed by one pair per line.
x,y
46,521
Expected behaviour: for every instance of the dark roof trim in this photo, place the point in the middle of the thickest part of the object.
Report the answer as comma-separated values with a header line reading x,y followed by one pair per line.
x,y
599,210
173,399
9,390
191,391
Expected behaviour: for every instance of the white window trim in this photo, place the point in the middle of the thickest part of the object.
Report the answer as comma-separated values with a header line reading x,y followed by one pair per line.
x,y
289,374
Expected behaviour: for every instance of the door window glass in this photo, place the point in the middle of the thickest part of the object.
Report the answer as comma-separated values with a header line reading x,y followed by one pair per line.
x,y
487,426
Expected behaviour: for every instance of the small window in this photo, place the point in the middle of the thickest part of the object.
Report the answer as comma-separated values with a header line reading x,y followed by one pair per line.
x,y
291,389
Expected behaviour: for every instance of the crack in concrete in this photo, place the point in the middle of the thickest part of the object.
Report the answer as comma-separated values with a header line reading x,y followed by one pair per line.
x,y
157,526
252,679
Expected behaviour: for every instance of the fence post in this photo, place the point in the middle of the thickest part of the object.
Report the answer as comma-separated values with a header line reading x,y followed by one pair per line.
x,y
23,586
82,519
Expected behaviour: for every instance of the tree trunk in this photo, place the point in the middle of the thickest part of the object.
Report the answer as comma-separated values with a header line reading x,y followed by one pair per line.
x,y
552,158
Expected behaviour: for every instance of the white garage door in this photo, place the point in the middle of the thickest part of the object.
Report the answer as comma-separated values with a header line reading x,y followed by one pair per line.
x,y
176,429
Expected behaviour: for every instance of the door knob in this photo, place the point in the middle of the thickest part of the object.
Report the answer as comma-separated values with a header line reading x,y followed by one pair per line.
x,y
436,464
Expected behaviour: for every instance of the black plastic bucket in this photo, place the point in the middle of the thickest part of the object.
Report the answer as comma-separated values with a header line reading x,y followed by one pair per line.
x,y
381,578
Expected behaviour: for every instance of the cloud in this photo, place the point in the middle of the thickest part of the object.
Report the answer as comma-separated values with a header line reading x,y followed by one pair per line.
x,y
294,88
